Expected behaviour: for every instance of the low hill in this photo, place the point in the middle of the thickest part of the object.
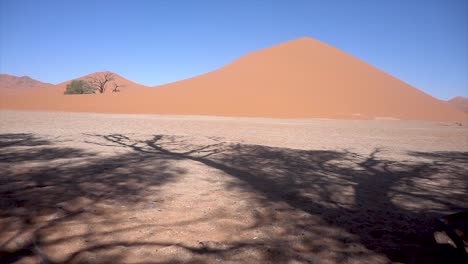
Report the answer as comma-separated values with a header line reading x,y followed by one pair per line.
x,y
11,83
124,84
460,103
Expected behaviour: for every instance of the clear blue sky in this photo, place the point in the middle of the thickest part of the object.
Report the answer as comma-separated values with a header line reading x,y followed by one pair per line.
x,y
424,43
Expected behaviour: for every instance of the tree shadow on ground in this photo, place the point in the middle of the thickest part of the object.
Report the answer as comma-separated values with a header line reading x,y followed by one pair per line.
x,y
21,139
330,206
43,187
389,205
386,205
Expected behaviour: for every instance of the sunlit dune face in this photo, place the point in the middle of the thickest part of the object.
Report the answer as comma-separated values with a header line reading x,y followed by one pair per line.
x,y
303,78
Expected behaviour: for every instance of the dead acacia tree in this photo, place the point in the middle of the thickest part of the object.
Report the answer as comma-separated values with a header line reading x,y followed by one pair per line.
x,y
116,87
99,81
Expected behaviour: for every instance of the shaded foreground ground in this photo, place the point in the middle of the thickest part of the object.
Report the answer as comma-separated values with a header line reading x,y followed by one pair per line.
x,y
148,189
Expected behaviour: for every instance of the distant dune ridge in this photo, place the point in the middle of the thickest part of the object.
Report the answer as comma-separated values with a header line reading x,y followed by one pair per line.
x,y
13,83
460,102
303,78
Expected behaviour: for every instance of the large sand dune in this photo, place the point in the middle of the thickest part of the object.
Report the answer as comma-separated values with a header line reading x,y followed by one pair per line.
x,y
303,78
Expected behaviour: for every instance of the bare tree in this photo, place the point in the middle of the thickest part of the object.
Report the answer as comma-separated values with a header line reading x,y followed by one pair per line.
x,y
100,80
116,87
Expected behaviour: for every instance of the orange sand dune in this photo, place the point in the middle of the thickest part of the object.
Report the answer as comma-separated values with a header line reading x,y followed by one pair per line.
x,y
460,103
303,78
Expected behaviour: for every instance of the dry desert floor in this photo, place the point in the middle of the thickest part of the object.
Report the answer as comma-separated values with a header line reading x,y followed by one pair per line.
x,y
105,188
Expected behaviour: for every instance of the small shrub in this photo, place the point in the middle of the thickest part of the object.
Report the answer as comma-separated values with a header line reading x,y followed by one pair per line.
x,y
79,87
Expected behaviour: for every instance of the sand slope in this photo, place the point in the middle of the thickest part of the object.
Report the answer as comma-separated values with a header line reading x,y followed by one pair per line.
x,y
302,78
460,103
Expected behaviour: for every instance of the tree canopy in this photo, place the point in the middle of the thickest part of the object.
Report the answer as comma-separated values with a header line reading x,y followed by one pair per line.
x,y
79,87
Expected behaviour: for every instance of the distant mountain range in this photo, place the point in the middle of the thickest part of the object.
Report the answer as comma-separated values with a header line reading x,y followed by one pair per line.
x,y
460,102
302,78
10,82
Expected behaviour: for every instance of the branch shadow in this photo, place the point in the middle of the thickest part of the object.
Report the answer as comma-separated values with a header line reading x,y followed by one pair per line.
x,y
44,187
21,139
329,206
388,206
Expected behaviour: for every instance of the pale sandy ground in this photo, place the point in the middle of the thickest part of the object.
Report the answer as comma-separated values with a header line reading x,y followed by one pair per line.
x,y
96,188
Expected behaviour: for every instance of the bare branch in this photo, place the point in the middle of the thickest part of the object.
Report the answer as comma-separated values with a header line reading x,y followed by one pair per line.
x,y
116,87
